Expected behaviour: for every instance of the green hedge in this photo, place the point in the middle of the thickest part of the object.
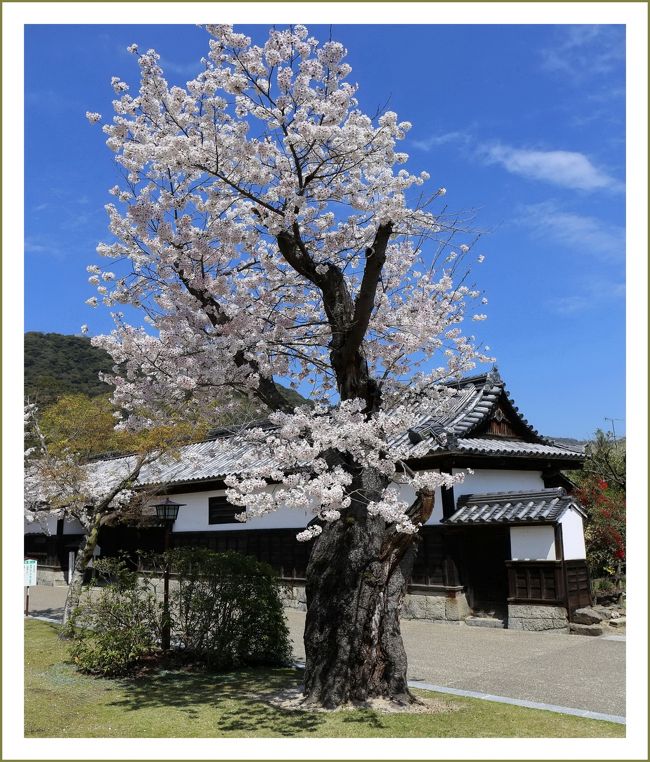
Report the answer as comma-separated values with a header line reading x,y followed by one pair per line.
x,y
225,612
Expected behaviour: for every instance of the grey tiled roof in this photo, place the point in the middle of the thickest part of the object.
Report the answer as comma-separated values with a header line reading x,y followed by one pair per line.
x,y
476,399
196,462
494,446
545,506
435,433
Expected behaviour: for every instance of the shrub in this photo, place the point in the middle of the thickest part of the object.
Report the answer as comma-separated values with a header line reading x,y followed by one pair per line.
x,y
225,612
118,627
605,527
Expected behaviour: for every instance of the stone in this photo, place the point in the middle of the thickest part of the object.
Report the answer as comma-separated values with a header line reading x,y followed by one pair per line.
x,y
537,618
456,607
414,607
587,616
526,611
586,629
484,621
538,625
605,612
293,596
618,622
424,606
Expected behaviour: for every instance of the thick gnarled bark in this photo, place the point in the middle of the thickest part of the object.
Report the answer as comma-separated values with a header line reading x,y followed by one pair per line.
x,y
357,577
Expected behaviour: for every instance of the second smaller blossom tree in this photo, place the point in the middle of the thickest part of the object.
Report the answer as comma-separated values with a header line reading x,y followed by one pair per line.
x,y
63,482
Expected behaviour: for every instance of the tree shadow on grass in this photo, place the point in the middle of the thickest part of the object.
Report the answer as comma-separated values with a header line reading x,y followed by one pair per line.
x,y
367,717
237,699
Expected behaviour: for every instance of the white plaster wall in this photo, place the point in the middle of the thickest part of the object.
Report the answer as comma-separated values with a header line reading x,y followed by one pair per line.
x,y
573,535
70,526
496,480
533,543
41,527
193,516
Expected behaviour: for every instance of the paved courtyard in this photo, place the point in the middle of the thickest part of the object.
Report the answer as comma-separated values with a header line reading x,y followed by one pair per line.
x,y
565,670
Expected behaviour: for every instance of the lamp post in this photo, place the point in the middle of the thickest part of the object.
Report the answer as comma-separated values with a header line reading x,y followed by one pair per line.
x,y
167,512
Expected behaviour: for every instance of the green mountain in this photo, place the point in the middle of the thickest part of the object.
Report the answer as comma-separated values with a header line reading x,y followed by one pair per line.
x,y
56,364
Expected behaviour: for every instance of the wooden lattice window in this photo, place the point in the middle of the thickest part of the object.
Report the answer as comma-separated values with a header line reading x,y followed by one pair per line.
x,y
220,511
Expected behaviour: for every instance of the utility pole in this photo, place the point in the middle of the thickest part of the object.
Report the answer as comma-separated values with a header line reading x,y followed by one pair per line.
x,y
612,422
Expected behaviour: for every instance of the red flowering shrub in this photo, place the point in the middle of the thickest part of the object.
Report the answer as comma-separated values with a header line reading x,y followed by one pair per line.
x,y
605,526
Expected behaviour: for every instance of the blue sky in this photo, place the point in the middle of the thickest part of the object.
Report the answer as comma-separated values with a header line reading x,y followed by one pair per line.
x,y
524,126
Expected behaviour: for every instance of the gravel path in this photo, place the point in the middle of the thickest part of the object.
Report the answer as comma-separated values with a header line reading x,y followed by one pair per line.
x,y
552,668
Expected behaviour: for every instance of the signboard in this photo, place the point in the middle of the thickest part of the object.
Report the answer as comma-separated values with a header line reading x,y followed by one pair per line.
x,y
30,572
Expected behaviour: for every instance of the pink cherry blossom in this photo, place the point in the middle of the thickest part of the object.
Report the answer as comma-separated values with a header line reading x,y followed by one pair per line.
x,y
264,221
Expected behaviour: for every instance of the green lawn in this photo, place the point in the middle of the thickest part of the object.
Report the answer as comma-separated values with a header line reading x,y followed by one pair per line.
x,y
61,702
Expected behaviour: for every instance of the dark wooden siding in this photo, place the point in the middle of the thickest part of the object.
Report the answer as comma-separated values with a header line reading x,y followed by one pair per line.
x,y
535,582
429,566
578,585
114,540
51,550
560,583
276,547
434,565
441,560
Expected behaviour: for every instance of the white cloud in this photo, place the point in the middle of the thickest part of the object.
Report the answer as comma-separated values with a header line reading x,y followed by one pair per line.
x,y
38,246
585,51
568,169
438,140
593,294
577,232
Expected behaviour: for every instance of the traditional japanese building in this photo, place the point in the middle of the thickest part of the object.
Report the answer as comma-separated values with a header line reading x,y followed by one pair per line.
x,y
507,544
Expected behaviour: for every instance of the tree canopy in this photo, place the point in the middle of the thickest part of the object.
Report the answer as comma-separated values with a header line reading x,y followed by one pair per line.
x,y
268,232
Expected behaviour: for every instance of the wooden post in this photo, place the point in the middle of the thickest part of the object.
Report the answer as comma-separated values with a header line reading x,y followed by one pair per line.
x,y
27,602
166,622
559,551
447,497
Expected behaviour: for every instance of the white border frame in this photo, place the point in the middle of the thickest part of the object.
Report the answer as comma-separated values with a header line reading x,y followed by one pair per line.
x,y
15,16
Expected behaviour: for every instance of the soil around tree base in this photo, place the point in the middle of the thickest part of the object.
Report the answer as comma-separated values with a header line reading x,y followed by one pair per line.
x,y
292,699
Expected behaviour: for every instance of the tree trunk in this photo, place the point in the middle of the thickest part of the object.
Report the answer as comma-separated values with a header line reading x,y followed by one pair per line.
x,y
84,556
357,576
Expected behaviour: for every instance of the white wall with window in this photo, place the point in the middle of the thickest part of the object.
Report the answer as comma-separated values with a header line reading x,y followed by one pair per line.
x,y
194,516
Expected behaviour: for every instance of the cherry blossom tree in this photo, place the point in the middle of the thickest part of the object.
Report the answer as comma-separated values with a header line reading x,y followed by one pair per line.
x,y
62,482
267,229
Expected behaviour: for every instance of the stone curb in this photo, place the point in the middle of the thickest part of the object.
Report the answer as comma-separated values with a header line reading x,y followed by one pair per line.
x,y
519,702
45,619
588,715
